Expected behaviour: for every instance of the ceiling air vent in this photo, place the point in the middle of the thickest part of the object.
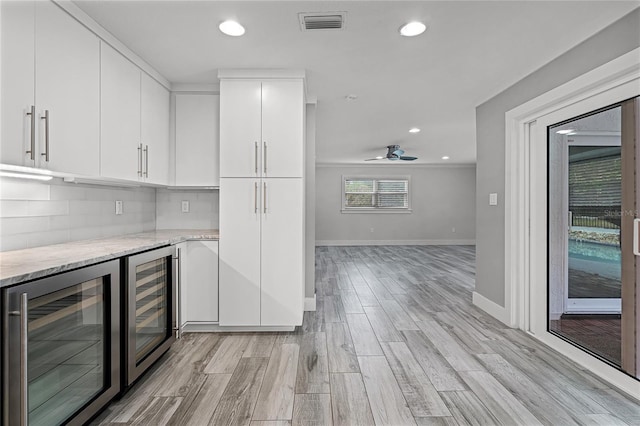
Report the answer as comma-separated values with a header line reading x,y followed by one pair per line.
x,y
322,21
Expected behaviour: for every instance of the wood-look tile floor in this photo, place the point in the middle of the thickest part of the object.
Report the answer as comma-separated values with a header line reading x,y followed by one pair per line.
x,y
395,340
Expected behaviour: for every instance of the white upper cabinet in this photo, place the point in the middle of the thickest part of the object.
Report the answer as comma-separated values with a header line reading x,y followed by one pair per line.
x,y
135,122
282,128
155,107
51,65
67,81
18,75
120,149
197,159
240,128
261,132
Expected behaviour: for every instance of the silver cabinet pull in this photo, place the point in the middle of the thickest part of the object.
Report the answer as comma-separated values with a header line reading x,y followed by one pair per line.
x,y
146,161
636,238
46,135
265,157
139,160
256,158
32,149
24,383
264,201
255,198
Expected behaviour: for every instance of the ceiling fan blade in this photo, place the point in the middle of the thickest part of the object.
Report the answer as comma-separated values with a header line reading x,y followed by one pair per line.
x,y
373,159
407,158
398,152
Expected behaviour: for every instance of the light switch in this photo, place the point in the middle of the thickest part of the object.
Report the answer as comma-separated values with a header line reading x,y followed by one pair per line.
x,y
119,207
493,199
185,206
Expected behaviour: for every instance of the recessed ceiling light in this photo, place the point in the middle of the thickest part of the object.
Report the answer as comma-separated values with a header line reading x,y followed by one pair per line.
x,y
445,157
565,131
351,97
412,29
231,28
414,130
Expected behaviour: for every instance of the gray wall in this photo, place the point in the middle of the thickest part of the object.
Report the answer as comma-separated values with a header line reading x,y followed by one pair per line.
x,y
612,42
442,198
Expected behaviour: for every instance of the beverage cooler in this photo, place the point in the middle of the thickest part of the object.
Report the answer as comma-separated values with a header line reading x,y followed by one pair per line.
x,y
61,346
150,309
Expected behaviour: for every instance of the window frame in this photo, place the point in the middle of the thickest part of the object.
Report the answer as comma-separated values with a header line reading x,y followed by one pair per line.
x,y
376,179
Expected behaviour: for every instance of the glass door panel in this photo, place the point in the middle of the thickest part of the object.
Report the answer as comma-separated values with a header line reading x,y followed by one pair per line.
x,y
592,201
585,205
66,351
151,306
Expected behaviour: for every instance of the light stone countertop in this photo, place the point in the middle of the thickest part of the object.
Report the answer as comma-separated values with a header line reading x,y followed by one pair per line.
x,y
24,265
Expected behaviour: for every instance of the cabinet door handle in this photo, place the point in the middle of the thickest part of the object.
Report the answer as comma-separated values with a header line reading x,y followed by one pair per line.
x,y
146,161
139,160
255,198
32,149
46,135
256,158
265,157
264,201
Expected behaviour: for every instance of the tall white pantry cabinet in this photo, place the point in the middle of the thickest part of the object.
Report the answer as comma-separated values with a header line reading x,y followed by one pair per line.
x,y
261,199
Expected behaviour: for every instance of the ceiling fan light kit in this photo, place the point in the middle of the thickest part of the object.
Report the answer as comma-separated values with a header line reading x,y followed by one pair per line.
x,y
394,153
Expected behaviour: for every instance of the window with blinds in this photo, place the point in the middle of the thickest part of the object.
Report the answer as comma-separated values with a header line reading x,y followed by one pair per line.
x,y
366,194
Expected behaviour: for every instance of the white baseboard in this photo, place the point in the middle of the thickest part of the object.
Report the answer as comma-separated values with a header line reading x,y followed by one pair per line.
x,y
492,308
395,242
310,303
215,328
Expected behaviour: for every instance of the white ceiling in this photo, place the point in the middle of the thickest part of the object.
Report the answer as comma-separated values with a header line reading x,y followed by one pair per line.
x,y
472,51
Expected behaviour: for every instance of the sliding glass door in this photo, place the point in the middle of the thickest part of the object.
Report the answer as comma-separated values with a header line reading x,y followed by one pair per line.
x,y
592,199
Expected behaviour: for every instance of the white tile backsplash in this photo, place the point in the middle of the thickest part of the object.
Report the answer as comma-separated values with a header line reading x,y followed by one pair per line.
x,y
203,209
34,214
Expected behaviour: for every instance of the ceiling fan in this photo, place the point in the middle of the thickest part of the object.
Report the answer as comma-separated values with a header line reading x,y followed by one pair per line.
x,y
393,153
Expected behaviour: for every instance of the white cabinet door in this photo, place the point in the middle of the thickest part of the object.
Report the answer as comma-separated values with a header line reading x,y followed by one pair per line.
x,y
197,158
283,128
240,128
202,284
155,107
120,153
282,261
239,251
183,279
18,67
67,84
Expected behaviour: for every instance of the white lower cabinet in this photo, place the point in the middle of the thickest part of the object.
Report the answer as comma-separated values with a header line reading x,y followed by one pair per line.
x,y
261,252
198,285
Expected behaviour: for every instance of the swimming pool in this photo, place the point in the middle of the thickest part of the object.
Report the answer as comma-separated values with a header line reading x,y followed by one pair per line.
x,y
595,258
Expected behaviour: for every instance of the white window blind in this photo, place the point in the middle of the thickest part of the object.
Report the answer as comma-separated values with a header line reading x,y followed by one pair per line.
x,y
375,194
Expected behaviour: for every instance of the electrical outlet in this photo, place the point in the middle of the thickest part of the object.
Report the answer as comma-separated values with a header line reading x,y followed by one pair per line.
x,y
453,230
185,206
119,207
493,199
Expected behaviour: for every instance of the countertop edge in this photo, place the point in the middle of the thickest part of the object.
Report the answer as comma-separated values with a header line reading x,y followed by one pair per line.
x,y
131,244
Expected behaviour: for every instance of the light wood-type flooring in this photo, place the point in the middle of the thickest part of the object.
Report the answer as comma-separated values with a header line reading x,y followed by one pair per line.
x,y
395,340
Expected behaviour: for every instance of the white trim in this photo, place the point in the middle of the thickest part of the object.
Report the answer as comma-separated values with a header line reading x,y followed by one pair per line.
x,y
374,210
104,35
195,88
593,306
518,121
261,73
525,251
590,363
492,308
211,327
395,243
310,303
